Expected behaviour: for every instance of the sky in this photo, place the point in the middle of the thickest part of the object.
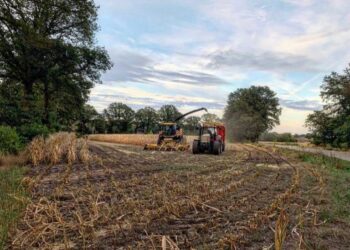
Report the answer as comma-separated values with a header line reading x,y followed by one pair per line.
x,y
193,53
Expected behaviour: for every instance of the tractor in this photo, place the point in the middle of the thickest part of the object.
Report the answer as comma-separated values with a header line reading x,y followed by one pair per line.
x,y
170,136
211,139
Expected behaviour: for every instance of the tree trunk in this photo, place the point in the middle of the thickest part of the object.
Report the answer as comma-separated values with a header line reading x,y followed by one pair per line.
x,y
46,119
28,102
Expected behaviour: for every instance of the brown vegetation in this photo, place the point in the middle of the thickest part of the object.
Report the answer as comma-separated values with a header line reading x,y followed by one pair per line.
x,y
58,148
128,198
7,161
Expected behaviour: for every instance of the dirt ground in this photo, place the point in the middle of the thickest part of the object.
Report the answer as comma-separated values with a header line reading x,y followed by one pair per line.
x,y
127,198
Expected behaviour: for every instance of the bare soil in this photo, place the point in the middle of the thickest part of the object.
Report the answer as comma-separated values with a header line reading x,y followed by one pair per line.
x,y
127,198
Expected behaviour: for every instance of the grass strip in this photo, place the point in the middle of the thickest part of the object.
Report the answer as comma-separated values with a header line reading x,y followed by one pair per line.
x,y
12,200
339,183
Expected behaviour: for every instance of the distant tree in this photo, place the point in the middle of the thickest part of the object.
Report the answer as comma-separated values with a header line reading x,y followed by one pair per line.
x,y
120,118
332,124
208,117
99,124
87,115
168,113
190,124
251,112
48,47
276,137
147,119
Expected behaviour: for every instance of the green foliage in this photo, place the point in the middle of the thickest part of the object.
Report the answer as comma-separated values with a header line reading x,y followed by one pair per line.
x,y
28,132
146,119
168,113
48,56
86,120
190,124
10,142
276,137
331,126
208,117
120,118
251,112
12,196
338,178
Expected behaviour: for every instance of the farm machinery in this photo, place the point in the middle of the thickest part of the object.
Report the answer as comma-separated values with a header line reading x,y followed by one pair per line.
x,y
171,136
211,139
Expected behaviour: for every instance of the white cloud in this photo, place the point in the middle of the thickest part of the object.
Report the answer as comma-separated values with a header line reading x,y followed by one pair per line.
x,y
162,54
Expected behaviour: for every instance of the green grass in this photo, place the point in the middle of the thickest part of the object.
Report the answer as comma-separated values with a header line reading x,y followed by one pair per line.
x,y
12,200
339,184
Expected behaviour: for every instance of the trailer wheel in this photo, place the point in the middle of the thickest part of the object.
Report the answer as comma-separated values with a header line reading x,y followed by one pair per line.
x,y
217,148
195,147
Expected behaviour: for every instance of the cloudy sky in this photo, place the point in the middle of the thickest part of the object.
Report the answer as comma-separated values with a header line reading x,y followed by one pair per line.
x,y
193,53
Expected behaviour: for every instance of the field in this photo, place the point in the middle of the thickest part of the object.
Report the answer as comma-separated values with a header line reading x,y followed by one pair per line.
x,y
250,197
132,139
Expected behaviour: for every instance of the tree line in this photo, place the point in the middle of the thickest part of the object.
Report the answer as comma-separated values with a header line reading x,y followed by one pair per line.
x,y
120,118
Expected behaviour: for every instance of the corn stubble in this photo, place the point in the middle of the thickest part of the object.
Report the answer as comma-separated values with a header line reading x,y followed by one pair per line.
x,y
108,199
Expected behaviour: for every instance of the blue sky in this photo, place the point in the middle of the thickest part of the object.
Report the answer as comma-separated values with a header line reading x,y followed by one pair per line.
x,y
194,53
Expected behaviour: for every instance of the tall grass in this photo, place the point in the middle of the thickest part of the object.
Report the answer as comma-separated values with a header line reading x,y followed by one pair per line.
x,y
12,200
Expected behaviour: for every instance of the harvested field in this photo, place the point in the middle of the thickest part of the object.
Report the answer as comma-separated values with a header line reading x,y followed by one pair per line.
x,y
132,139
127,198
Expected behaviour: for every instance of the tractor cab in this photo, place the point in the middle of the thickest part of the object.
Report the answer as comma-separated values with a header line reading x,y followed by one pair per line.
x,y
169,131
211,138
167,128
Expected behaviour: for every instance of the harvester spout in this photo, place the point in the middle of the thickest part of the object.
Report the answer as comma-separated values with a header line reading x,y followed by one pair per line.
x,y
191,112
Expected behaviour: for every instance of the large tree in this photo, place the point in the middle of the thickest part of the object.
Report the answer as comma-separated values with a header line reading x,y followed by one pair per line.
x,y
147,119
251,112
51,44
168,113
190,124
208,117
332,124
120,118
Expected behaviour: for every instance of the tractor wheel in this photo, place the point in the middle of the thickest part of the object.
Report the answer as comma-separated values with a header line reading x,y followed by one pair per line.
x,y
195,147
217,148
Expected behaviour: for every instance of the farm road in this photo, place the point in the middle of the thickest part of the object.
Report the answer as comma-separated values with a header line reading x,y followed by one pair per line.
x,y
330,153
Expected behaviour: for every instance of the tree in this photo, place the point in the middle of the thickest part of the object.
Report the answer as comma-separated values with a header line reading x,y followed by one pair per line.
x,y
208,117
168,113
336,92
87,115
321,123
120,118
190,124
147,119
332,124
251,112
50,44
99,124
